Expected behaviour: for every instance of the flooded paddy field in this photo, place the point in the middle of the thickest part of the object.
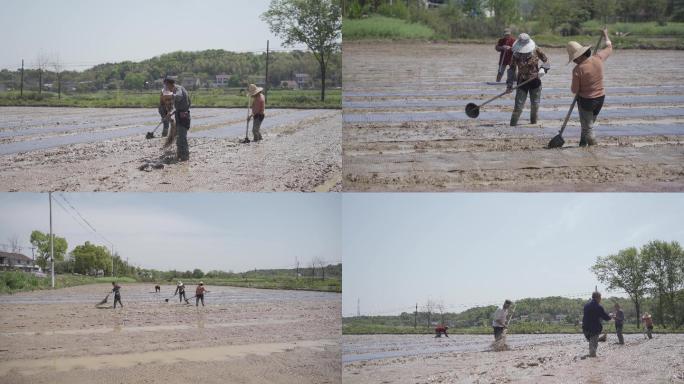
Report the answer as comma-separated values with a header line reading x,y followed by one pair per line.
x,y
405,127
241,335
553,358
92,149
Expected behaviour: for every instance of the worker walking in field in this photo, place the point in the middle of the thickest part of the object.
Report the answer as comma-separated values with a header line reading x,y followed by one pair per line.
x,y
258,110
504,46
180,291
591,322
500,321
116,289
199,294
441,329
525,66
587,84
157,289
647,321
619,317
181,104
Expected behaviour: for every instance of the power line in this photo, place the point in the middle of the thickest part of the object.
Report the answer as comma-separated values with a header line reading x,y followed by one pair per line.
x,y
84,220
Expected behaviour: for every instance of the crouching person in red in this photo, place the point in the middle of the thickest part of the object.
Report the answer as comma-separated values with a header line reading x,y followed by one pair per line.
x,y
441,329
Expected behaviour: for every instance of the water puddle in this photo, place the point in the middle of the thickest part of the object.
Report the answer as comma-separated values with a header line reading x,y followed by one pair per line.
x,y
213,354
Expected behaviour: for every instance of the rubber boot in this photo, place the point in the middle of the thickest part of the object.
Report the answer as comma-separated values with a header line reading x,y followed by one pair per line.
x,y
514,118
498,77
583,138
534,112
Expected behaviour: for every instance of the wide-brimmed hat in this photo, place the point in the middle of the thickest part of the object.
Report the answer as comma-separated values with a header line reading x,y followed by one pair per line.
x,y
253,89
201,283
507,31
170,78
575,50
524,44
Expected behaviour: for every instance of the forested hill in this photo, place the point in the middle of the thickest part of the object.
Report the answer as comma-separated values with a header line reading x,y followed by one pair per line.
x,y
201,66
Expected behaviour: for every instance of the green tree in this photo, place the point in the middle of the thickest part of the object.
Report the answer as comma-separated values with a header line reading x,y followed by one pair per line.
x,y
626,270
90,257
197,273
41,241
134,80
505,11
665,272
314,23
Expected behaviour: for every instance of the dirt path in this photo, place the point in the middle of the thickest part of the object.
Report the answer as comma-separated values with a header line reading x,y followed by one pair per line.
x,y
242,335
547,359
405,128
87,152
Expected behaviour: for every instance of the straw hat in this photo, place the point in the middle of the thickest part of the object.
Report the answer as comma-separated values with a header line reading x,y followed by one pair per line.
x,y
524,44
507,31
575,50
254,90
201,283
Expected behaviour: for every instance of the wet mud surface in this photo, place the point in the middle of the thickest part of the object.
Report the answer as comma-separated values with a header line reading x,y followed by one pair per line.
x,y
241,335
530,359
73,149
405,127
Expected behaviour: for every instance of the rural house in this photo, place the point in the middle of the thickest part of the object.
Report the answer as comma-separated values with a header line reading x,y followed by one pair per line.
x,y
303,80
222,80
10,261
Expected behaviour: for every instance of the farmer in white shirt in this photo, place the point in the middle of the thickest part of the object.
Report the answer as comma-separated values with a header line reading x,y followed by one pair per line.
x,y
499,322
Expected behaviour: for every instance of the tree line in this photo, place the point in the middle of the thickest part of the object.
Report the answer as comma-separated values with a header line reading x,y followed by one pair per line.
x,y
477,18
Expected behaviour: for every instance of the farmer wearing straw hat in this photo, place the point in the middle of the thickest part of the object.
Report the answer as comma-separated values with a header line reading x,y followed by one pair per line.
x,y
647,320
116,288
199,294
181,103
500,320
587,84
258,109
180,291
526,57
504,46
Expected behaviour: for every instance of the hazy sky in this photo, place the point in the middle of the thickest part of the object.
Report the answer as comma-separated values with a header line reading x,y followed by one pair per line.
x,y
188,230
88,32
479,249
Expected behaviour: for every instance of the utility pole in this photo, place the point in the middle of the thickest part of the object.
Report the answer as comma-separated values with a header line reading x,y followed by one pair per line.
x,y
415,318
111,247
52,244
266,82
358,307
21,87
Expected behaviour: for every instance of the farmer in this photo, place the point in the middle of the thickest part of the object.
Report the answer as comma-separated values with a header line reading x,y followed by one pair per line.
x,y
619,317
499,322
441,329
504,46
181,102
157,289
587,84
166,100
526,57
258,109
647,321
116,288
199,294
591,321
180,291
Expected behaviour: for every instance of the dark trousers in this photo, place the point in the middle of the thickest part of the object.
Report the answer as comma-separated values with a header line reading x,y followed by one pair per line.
x,y
498,333
181,296
618,330
117,298
182,128
197,300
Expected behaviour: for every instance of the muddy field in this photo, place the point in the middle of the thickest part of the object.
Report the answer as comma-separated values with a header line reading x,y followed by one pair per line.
x,y
101,149
241,335
405,127
532,359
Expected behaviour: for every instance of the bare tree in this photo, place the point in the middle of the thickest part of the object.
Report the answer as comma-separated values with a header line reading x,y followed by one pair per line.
x,y
440,307
42,61
313,268
428,308
297,266
321,265
13,244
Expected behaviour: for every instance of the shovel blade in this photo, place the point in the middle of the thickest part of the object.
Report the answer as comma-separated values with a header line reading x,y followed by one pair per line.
x,y
472,110
149,135
556,142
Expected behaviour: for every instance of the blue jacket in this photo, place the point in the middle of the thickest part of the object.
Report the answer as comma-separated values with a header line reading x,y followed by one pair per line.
x,y
591,321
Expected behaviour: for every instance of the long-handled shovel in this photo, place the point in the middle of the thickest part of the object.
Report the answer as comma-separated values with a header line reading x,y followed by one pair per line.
x,y
558,140
246,139
104,301
473,110
150,135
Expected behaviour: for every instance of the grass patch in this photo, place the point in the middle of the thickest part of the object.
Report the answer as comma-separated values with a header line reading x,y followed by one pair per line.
x,y
277,98
305,284
12,281
381,27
